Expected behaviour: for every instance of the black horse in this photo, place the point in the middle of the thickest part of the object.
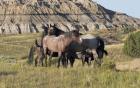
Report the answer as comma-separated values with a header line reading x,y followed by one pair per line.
x,y
85,56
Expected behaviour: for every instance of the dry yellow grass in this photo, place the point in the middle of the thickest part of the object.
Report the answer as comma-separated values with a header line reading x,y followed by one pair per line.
x,y
16,73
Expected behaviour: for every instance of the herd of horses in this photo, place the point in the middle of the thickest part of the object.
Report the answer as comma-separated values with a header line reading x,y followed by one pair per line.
x,y
67,46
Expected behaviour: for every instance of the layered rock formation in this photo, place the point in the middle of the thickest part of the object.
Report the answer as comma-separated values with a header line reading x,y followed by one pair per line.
x,y
86,15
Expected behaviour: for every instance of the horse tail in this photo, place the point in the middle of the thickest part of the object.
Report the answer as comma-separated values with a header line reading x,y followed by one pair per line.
x,y
101,45
106,53
31,55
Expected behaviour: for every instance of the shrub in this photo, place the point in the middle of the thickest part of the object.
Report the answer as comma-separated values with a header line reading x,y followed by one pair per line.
x,y
128,29
132,45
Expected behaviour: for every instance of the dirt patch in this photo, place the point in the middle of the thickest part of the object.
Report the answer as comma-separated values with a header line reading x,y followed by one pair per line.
x,y
133,65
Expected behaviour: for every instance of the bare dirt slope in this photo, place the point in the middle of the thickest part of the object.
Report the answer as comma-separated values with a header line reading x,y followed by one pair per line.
x,y
85,15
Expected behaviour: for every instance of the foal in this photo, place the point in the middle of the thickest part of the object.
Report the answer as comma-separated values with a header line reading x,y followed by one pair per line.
x,y
85,56
38,51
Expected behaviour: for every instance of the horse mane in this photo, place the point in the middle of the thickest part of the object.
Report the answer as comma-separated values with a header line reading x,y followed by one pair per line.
x,y
45,30
101,42
57,30
71,33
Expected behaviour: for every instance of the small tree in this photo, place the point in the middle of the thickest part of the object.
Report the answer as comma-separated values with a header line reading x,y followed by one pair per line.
x,y
132,45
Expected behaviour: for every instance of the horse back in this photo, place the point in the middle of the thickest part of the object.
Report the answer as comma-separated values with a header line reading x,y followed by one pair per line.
x,y
55,44
90,43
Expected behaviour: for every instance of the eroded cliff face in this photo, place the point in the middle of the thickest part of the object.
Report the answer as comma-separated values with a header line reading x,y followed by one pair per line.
x,y
85,15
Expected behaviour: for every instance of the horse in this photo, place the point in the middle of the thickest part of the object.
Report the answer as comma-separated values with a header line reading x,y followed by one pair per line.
x,y
48,29
88,42
38,51
60,44
55,30
91,42
51,30
87,56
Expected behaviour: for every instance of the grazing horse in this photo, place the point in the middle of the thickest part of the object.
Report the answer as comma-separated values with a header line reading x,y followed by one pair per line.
x,y
60,44
85,56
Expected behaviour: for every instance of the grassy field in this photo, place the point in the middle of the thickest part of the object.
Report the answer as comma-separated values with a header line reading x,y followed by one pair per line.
x,y
16,73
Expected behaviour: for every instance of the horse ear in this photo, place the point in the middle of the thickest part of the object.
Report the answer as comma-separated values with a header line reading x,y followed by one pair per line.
x,y
47,25
51,25
54,25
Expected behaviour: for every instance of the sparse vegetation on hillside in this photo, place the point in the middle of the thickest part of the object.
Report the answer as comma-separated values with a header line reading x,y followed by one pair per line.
x,y
128,29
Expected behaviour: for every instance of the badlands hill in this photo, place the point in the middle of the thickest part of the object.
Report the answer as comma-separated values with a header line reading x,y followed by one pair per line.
x,y
86,15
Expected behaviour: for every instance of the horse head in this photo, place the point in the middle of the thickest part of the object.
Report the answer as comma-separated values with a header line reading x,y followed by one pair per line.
x,y
45,29
75,36
55,30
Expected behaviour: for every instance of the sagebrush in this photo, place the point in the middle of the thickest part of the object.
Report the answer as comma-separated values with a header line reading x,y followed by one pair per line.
x,y
132,44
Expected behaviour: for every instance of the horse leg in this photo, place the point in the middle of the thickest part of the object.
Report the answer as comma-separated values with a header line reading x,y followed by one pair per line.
x,y
59,59
42,58
72,61
45,55
83,61
36,61
65,59
89,61
50,57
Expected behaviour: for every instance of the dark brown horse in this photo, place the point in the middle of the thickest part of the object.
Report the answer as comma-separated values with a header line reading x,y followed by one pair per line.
x,y
60,44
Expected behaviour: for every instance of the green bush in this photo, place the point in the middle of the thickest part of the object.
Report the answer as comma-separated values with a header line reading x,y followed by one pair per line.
x,y
132,45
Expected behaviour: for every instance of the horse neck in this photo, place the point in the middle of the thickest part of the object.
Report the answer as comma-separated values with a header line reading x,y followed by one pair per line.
x,y
68,40
58,31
